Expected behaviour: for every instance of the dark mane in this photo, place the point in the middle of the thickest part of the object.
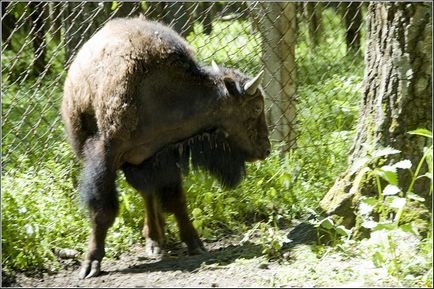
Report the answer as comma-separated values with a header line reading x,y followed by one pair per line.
x,y
209,150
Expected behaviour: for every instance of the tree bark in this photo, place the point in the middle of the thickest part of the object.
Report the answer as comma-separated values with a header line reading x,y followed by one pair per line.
x,y
81,20
55,20
397,99
205,16
352,16
8,23
127,9
38,36
177,15
312,16
278,33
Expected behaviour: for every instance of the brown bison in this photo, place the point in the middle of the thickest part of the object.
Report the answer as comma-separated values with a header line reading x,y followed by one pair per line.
x,y
135,99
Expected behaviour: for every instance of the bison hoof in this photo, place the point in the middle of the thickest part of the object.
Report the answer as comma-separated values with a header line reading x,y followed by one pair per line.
x,y
153,249
197,249
195,246
90,268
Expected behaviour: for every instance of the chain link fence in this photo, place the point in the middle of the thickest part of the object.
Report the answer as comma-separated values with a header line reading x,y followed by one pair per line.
x,y
312,55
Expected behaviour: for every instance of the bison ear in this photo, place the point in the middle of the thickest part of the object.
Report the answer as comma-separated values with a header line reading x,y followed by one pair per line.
x,y
232,86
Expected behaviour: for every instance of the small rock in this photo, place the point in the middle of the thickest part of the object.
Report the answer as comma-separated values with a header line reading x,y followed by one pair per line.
x,y
214,285
263,266
67,253
286,256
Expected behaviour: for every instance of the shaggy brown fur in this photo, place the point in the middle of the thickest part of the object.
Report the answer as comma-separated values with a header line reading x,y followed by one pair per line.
x,y
136,99
106,76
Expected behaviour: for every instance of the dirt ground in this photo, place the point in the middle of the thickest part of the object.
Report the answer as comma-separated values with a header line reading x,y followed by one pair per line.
x,y
228,263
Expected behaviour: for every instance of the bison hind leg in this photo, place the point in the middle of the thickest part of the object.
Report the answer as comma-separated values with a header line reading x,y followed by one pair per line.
x,y
97,186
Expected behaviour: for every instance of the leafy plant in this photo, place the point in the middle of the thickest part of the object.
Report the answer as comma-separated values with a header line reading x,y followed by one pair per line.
x,y
392,240
392,199
328,232
269,236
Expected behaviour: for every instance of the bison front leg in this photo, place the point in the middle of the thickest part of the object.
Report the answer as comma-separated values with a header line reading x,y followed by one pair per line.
x,y
153,229
97,187
173,201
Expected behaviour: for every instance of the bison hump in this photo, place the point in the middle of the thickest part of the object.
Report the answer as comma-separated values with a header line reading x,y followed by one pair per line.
x,y
147,42
113,63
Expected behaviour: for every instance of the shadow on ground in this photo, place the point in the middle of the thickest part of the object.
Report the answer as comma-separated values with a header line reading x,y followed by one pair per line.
x,y
301,234
220,256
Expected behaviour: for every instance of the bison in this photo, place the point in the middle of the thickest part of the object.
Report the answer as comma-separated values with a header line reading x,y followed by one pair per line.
x,y
136,100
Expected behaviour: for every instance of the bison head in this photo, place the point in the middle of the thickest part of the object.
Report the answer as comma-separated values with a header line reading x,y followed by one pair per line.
x,y
243,116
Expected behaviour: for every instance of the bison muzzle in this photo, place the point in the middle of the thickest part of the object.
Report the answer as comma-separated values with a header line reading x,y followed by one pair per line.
x,y
136,100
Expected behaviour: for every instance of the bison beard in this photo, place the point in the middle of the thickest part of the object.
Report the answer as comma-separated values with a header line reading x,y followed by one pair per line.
x,y
209,150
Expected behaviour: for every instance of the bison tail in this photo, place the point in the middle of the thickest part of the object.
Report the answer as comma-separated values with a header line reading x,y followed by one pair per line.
x,y
79,127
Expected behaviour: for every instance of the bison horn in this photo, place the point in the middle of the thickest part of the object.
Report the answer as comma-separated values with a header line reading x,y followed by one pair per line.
x,y
215,67
252,85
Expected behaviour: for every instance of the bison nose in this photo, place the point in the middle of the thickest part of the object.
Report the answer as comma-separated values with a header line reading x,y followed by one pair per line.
x,y
267,153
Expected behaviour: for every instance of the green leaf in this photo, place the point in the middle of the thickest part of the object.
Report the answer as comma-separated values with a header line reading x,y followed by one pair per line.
x,y
421,132
409,228
388,168
385,152
425,175
390,190
196,212
415,197
381,226
388,173
19,9
359,163
372,201
341,230
369,224
398,203
378,259
365,208
197,224
404,164
327,223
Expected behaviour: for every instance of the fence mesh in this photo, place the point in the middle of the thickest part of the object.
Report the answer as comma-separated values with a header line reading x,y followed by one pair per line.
x,y
312,55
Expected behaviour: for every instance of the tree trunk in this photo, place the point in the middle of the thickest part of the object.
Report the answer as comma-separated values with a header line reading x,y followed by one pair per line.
x,y
177,15
312,16
278,57
38,36
55,20
8,23
396,100
352,14
205,16
81,20
127,9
